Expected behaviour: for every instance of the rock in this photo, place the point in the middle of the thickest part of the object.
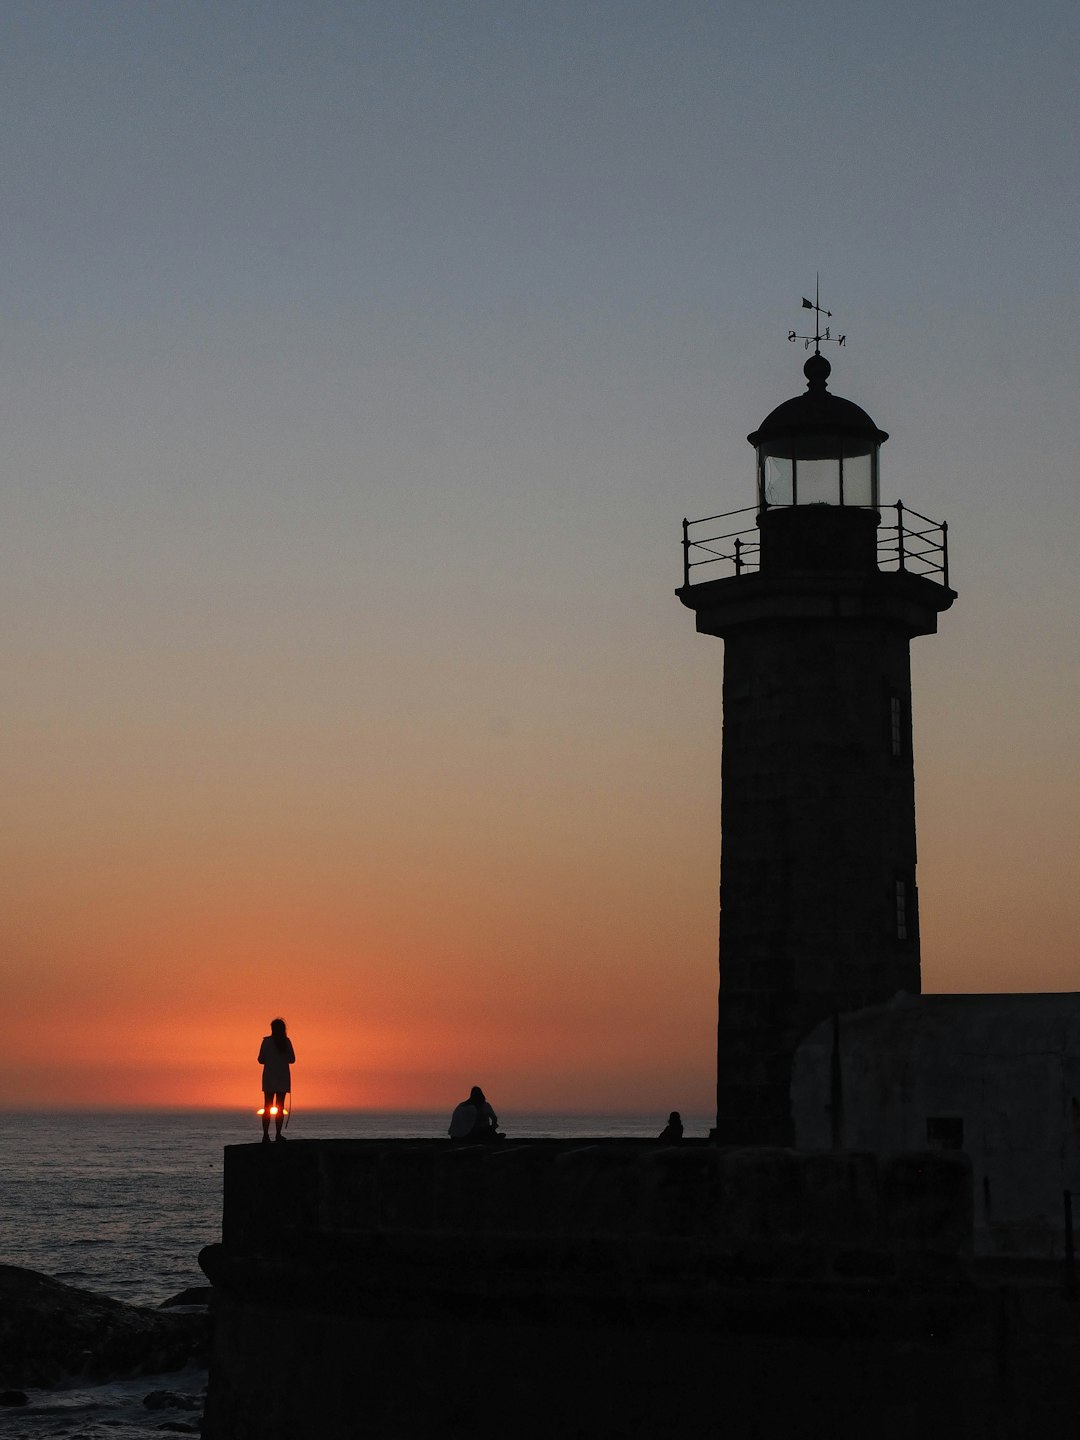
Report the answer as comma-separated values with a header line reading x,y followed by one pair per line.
x,y
49,1331
14,1397
193,1295
171,1400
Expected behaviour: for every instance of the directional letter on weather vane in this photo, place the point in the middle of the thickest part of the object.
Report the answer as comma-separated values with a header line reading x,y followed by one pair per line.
x,y
818,335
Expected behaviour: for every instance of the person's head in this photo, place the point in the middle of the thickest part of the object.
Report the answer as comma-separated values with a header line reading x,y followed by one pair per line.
x,y
476,1096
277,1028
674,1118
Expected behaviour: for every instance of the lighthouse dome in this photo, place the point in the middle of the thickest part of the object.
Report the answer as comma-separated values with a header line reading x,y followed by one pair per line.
x,y
817,448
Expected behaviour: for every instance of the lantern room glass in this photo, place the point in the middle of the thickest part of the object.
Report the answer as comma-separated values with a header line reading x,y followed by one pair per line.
x,y
817,472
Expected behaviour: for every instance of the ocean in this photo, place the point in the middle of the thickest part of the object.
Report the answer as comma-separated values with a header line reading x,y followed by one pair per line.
x,y
121,1204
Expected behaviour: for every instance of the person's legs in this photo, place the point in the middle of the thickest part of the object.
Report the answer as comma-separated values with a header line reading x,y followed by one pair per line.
x,y
268,1100
279,1118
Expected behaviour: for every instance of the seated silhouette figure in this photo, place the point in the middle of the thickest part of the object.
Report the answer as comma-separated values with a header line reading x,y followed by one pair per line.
x,y
474,1120
672,1131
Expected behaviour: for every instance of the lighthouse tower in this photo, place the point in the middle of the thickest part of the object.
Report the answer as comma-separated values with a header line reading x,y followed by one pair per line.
x,y
816,591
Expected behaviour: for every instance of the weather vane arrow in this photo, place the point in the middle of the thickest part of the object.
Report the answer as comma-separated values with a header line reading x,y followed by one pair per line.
x,y
819,335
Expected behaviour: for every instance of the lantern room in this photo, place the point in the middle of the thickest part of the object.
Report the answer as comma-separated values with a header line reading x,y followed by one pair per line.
x,y
817,449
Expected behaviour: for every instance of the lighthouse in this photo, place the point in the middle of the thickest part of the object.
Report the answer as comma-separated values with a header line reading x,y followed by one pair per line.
x,y
817,590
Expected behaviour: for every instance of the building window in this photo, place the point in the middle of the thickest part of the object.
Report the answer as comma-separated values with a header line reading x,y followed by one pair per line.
x,y
945,1132
903,908
896,726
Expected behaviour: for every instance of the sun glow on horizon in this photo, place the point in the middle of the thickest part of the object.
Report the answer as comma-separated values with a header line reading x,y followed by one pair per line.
x,y
346,447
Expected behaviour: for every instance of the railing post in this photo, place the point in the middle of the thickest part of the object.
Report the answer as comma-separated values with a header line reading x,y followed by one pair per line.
x,y
685,551
900,533
945,552
738,556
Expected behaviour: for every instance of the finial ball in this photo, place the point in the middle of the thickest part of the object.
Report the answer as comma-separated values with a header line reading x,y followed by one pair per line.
x,y
817,370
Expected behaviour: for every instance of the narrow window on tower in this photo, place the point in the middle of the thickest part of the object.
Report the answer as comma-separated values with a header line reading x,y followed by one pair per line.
x,y
903,908
897,736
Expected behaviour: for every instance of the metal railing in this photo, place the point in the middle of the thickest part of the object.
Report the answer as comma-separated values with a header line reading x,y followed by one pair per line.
x,y
730,543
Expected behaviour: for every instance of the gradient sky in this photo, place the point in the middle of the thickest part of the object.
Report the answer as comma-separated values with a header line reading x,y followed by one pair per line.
x,y
358,364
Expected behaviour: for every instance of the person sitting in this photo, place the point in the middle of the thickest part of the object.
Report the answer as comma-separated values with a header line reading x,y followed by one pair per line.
x,y
672,1131
474,1120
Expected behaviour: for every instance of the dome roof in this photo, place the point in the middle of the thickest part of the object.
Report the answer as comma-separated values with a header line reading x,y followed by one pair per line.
x,y
817,413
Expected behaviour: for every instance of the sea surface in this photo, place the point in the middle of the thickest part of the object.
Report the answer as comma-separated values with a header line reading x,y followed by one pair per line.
x,y
121,1204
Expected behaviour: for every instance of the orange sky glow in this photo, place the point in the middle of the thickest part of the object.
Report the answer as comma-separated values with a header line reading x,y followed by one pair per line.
x,y
359,367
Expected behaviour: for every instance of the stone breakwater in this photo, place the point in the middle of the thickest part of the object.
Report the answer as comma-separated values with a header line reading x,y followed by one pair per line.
x,y
587,1289
810,1213
50,1332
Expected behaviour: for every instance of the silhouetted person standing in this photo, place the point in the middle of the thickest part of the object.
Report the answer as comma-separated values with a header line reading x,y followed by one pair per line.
x,y
474,1119
276,1054
672,1131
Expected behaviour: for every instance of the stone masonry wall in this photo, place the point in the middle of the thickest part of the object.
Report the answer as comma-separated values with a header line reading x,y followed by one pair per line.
x,y
602,1288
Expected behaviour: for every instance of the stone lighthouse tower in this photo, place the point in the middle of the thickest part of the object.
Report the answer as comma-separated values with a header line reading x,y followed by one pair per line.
x,y
819,592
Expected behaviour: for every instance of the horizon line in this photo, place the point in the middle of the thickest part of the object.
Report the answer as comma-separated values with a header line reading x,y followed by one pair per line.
x,y
315,1110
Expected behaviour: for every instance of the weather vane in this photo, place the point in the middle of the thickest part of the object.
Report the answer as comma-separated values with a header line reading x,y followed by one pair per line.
x,y
819,334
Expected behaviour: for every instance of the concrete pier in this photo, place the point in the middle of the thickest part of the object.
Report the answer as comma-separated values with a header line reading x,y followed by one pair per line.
x,y
608,1288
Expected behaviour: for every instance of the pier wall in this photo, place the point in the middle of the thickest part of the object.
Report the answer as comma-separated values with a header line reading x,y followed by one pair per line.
x,y
596,1288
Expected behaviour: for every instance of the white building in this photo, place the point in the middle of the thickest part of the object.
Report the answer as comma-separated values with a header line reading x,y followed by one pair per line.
x,y
997,1076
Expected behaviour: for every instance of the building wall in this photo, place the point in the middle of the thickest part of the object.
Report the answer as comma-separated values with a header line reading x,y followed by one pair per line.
x,y
818,802
996,1075
591,1288
818,825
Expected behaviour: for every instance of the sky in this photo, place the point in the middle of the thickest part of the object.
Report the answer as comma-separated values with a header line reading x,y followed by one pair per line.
x,y
358,365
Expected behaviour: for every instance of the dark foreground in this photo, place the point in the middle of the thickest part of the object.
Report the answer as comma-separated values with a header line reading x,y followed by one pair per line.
x,y
613,1289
